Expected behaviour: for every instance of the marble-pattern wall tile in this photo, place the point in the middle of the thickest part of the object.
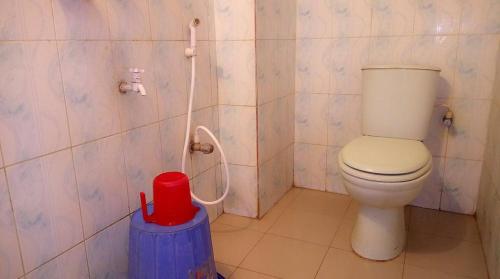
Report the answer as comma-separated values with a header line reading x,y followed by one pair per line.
x,y
458,194
275,19
310,166
311,118
236,72
467,137
71,264
107,251
349,55
439,51
234,20
81,20
314,19
475,71
102,185
334,181
273,131
267,70
142,162
201,162
480,16
45,201
90,89
32,113
391,50
136,110
129,20
26,20
344,119
351,18
10,257
204,187
313,65
170,80
438,16
238,134
430,195
172,142
242,197
203,83
437,135
392,17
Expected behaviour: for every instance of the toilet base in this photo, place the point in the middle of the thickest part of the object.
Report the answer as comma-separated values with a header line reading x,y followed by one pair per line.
x,y
379,233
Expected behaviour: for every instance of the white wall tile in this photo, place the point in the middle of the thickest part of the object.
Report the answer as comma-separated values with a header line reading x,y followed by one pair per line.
x,y
437,135
10,257
234,20
313,65
129,20
136,110
391,50
201,162
349,55
430,195
242,197
460,190
81,20
236,72
439,51
310,166
476,61
437,16
71,264
45,201
351,18
26,19
334,180
142,162
238,134
467,137
102,185
107,251
344,119
32,114
172,142
90,89
167,18
203,82
170,76
311,114
314,19
274,134
392,17
480,16
267,70
204,187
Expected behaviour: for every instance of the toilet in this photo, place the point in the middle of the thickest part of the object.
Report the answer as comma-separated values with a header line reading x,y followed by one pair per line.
x,y
386,168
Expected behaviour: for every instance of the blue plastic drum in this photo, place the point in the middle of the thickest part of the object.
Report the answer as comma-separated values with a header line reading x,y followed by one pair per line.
x,y
183,251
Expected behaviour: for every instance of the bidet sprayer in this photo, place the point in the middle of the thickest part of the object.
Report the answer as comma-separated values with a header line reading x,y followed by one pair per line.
x,y
191,50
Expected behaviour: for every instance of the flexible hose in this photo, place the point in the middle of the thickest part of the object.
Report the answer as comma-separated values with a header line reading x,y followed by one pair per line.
x,y
210,134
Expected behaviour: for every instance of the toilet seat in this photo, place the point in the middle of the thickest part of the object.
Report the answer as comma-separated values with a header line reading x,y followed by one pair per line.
x,y
385,159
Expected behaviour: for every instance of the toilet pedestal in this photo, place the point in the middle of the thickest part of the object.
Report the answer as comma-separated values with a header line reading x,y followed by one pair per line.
x,y
379,233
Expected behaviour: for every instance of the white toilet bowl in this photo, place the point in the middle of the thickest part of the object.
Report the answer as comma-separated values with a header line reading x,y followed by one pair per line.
x,y
383,175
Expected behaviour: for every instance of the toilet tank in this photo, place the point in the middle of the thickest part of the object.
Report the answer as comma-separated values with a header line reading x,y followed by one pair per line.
x,y
398,100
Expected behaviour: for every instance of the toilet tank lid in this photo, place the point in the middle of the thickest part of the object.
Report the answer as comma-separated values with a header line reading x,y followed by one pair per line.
x,y
386,156
401,66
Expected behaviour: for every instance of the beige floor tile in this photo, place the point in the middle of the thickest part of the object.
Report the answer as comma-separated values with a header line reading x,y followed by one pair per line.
x,y
265,223
303,225
285,257
448,255
342,239
232,244
225,269
321,202
413,272
247,274
340,264
444,224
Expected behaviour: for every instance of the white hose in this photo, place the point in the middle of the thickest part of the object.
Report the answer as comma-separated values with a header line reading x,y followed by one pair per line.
x,y
203,128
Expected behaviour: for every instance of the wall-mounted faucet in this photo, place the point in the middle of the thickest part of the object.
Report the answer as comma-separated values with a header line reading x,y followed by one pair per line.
x,y
135,84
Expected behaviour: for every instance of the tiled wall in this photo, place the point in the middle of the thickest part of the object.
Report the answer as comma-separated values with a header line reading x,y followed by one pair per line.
x,y
275,48
488,211
74,151
235,48
336,38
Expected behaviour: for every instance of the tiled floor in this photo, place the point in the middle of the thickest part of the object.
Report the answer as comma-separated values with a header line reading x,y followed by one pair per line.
x,y
307,235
